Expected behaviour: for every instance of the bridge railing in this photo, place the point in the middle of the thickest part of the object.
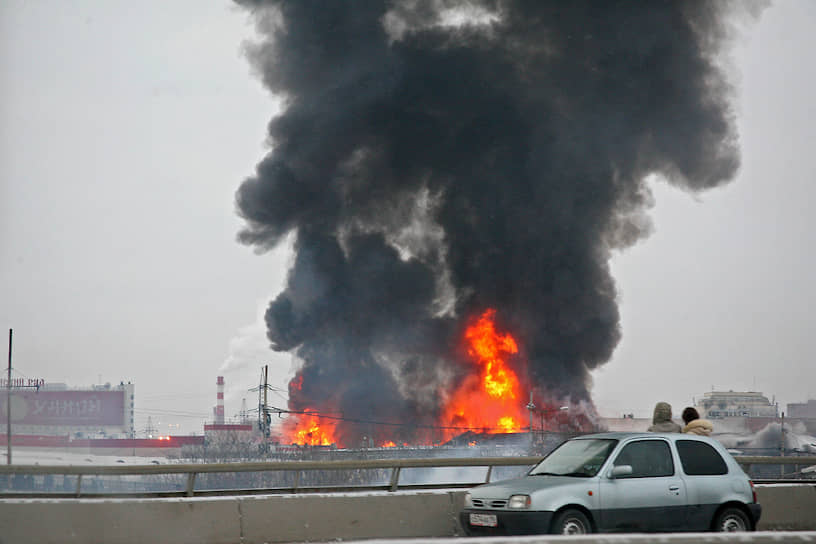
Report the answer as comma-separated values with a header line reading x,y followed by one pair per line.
x,y
282,477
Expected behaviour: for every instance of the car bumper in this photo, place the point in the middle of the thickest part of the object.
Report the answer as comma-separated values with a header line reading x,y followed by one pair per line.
x,y
756,513
508,522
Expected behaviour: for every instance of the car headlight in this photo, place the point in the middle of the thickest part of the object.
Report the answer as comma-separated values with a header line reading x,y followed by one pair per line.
x,y
519,501
468,501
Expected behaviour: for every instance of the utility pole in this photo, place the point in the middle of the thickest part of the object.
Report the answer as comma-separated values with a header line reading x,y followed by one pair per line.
x,y
266,417
264,411
149,430
8,405
782,443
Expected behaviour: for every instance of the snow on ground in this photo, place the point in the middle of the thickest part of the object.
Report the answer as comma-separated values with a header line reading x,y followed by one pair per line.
x,y
38,457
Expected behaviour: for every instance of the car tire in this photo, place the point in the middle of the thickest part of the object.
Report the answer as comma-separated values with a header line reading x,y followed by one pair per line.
x,y
731,520
571,522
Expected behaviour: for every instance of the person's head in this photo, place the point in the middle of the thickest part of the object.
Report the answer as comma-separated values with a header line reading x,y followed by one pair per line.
x,y
690,414
662,412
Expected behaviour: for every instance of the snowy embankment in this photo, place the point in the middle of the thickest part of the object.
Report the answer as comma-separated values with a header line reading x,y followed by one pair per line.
x,y
38,456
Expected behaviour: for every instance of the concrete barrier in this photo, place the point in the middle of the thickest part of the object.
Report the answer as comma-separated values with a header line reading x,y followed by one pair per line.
x,y
303,518
123,521
316,518
787,507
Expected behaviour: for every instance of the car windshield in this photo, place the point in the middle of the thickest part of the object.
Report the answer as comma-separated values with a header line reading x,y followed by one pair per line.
x,y
581,458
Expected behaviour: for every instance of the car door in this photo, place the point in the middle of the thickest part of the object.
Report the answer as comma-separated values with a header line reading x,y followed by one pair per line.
x,y
651,498
708,482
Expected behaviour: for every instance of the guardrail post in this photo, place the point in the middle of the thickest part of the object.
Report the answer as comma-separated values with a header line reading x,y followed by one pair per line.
x,y
395,472
191,483
489,472
296,482
79,484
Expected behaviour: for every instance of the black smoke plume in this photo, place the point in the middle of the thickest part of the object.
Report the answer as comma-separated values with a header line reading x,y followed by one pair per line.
x,y
436,158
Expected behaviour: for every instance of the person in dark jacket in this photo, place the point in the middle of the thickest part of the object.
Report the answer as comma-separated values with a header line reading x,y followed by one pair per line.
x,y
694,424
662,419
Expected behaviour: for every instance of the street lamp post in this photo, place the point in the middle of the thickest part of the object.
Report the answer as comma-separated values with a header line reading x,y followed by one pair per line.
x,y
531,407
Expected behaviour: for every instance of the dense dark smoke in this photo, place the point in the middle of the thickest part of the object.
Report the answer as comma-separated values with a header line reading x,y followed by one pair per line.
x,y
435,158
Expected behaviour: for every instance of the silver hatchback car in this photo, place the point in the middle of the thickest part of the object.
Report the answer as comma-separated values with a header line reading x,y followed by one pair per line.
x,y
627,482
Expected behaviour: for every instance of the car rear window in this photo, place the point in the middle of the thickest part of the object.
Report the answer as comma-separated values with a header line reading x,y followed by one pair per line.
x,y
700,459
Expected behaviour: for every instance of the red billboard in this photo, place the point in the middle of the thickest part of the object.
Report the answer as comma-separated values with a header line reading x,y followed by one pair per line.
x,y
68,408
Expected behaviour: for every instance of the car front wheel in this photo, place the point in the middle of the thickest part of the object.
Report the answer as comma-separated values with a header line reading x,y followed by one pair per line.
x,y
732,520
571,522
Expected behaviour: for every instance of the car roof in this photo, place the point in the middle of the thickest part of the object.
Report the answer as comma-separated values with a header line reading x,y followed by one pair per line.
x,y
621,435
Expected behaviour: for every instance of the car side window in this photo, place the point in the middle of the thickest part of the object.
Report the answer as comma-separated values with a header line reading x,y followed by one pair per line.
x,y
699,458
648,459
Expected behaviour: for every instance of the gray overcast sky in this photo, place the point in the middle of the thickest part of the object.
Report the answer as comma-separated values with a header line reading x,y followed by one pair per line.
x,y
126,128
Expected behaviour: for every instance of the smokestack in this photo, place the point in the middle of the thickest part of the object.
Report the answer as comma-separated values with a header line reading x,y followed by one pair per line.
x,y
438,158
219,401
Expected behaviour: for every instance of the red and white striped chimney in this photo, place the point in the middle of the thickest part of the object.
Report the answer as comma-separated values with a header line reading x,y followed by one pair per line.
x,y
219,404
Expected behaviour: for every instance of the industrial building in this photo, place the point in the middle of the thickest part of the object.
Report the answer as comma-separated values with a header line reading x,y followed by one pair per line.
x,y
96,420
54,409
802,409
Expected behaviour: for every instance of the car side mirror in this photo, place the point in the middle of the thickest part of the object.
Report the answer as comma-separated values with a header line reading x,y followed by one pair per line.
x,y
620,470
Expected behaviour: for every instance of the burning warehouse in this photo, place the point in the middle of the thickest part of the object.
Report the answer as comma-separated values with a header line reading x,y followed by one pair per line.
x,y
454,177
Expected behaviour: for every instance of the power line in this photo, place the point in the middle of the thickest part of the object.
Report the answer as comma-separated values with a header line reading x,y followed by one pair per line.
x,y
174,396
175,413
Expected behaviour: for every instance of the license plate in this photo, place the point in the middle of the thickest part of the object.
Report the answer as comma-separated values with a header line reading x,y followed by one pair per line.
x,y
483,520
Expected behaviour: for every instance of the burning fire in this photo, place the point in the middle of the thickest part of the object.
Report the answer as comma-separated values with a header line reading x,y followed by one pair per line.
x,y
311,430
489,399
307,429
487,346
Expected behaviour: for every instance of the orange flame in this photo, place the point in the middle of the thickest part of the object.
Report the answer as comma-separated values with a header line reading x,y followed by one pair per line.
x,y
490,399
310,430
487,346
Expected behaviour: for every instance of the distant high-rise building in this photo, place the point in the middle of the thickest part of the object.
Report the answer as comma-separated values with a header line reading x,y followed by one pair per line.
x,y
805,410
720,404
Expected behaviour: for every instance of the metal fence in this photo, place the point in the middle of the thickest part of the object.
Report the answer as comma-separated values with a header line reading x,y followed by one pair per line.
x,y
179,480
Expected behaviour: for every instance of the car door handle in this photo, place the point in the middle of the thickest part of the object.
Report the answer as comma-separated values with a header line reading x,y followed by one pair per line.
x,y
674,488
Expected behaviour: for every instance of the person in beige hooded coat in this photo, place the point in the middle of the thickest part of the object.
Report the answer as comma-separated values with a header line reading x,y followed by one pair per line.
x,y
694,424
662,419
